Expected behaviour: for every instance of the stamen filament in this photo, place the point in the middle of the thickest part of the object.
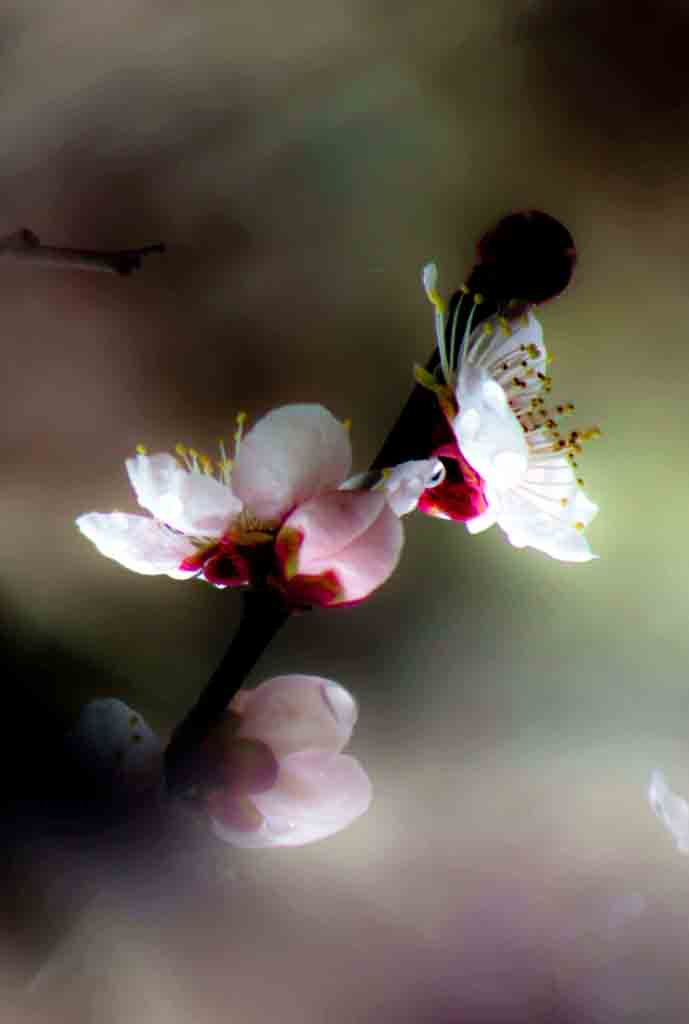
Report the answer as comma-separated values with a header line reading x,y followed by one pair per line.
x,y
453,333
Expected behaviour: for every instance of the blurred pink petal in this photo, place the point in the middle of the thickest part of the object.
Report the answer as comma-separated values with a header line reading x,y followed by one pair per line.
x,y
235,816
249,766
317,794
317,790
292,454
192,502
295,712
137,542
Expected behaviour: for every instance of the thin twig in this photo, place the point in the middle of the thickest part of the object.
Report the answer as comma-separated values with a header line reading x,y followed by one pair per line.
x,y
25,245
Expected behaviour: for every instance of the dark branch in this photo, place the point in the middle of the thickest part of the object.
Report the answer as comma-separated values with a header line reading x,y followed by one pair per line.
x,y
25,245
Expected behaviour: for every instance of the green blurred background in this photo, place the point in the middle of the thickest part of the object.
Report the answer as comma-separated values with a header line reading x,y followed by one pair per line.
x,y
302,161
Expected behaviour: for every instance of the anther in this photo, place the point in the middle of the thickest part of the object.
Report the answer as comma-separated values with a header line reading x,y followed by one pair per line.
x,y
141,449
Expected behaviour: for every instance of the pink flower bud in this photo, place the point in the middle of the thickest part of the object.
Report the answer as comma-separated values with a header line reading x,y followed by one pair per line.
x,y
286,781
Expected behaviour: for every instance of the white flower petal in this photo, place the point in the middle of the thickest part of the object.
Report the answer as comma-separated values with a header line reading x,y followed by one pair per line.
x,y
138,543
672,810
191,502
294,453
488,433
404,484
530,520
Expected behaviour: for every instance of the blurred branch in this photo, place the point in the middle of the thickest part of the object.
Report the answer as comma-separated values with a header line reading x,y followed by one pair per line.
x,y
25,245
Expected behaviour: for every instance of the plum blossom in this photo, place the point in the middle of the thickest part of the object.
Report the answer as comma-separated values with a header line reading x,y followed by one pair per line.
x,y
514,466
672,810
284,780
280,512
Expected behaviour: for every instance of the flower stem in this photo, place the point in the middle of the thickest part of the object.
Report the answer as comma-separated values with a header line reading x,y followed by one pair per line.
x,y
263,613
25,245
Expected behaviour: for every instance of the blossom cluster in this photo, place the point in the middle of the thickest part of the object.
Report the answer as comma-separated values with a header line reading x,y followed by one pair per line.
x,y
282,512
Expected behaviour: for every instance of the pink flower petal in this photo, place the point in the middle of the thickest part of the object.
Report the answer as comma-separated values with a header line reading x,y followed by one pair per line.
x,y
328,524
291,455
296,712
234,816
248,766
317,794
354,535
193,503
137,542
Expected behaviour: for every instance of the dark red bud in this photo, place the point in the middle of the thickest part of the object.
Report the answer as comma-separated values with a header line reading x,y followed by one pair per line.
x,y
528,257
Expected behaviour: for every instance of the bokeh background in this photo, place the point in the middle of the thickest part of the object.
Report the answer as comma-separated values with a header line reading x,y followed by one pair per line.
x,y
302,161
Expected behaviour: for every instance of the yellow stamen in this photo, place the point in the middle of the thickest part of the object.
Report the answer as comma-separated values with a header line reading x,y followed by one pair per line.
x,y
437,301
426,379
141,449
